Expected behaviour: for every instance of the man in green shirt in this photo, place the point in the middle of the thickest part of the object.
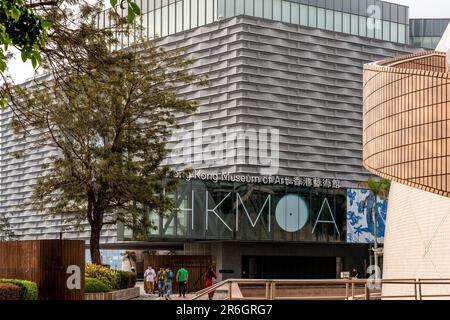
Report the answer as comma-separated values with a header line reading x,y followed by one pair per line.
x,y
182,278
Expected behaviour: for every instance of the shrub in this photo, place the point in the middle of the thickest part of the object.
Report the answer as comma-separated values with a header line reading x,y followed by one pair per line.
x,y
10,291
109,277
93,285
30,289
127,279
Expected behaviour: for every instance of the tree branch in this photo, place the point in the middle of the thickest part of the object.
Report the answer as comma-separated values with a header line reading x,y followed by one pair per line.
x,y
42,4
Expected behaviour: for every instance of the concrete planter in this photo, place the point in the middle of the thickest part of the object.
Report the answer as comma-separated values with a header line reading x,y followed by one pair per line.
x,y
124,294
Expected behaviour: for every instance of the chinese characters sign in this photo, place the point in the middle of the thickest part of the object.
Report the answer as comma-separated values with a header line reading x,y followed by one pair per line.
x,y
298,181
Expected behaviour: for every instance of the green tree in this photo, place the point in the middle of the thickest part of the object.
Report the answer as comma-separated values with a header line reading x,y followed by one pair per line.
x,y
21,28
133,8
27,25
5,230
109,114
378,190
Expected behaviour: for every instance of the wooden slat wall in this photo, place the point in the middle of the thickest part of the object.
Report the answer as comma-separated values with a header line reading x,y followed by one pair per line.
x,y
197,265
44,262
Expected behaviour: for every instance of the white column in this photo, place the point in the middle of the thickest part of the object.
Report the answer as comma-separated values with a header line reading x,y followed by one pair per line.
x,y
444,45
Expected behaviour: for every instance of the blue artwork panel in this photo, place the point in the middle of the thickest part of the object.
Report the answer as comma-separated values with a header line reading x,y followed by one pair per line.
x,y
360,219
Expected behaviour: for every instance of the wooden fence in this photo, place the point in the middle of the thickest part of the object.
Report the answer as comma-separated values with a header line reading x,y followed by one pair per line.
x,y
45,262
196,265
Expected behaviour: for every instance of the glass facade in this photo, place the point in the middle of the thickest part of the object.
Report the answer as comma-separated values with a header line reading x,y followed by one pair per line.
x,y
366,18
211,210
426,33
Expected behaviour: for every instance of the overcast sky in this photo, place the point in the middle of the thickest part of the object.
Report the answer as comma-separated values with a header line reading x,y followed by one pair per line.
x,y
426,8
418,9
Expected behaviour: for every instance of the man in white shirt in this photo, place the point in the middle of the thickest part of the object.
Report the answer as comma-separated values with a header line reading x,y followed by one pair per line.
x,y
149,280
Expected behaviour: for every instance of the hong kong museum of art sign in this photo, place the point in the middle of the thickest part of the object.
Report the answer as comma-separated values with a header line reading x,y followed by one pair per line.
x,y
224,206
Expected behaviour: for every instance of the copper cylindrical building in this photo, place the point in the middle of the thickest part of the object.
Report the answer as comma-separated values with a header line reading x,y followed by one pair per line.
x,y
406,138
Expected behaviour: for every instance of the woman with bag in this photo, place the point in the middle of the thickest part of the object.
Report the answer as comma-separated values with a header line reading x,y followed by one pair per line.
x,y
210,278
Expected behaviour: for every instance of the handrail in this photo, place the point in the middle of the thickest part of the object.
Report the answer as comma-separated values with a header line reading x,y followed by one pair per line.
x,y
209,289
271,284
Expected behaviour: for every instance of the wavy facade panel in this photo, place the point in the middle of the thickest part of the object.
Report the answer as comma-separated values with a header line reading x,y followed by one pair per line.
x,y
406,121
305,82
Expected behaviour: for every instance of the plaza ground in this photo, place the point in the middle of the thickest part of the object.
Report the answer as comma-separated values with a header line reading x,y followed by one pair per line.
x,y
217,296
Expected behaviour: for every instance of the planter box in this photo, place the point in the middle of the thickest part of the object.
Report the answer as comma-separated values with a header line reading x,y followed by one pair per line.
x,y
125,294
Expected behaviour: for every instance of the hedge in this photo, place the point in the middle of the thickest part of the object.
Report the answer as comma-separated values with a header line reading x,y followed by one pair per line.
x,y
127,279
30,289
113,279
93,285
10,291
109,277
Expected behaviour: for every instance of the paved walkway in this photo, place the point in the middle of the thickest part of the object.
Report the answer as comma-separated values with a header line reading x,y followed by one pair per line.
x,y
155,297
189,296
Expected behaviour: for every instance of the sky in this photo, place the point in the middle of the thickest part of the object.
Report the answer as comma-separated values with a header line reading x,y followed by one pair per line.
x,y
426,8
418,9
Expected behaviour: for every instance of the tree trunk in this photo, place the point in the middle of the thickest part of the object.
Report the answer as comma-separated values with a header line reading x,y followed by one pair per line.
x,y
375,231
95,245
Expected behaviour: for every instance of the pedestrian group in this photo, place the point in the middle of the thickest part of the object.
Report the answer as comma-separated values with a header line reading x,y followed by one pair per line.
x,y
161,282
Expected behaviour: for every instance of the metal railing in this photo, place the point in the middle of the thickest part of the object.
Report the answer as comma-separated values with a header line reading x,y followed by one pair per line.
x,y
343,289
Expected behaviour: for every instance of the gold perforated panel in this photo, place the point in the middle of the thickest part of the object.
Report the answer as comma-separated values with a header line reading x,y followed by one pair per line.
x,y
406,121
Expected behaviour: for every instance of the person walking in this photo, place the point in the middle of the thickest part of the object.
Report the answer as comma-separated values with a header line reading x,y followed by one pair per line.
x,y
210,277
182,279
169,277
149,280
161,276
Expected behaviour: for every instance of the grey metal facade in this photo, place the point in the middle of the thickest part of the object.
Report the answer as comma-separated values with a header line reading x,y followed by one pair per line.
x,y
305,82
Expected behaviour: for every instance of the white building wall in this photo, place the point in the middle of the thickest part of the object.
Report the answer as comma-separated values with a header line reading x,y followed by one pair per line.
x,y
417,240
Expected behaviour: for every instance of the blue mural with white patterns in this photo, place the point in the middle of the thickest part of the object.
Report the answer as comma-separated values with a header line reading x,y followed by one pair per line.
x,y
360,226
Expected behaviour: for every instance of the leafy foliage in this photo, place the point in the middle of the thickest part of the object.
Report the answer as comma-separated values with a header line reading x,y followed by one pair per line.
x,y
127,279
133,8
93,285
109,114
30,288
378,189
6,233
22,28
111,278
32,28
